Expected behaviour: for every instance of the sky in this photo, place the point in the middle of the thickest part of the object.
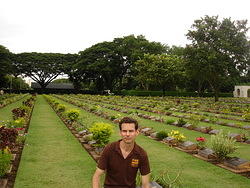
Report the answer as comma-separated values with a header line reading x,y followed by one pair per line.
x,y
70,26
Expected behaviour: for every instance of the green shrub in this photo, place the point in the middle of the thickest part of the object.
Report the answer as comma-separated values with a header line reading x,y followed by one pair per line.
x,y
161,135
194,120
246,116
18,123
181,122
222,145
72,114
101,133
5,159
170,121
61,108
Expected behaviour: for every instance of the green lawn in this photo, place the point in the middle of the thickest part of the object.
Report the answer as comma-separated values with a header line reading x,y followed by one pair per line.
x,y
195,173
52,157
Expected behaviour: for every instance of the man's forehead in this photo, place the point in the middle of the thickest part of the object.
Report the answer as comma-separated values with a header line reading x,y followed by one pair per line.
x,y
128,126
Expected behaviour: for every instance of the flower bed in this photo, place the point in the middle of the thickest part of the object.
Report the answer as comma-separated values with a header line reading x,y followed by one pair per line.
x,y
13,135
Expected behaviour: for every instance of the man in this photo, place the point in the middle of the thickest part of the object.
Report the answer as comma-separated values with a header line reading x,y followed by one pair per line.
x,y
120,160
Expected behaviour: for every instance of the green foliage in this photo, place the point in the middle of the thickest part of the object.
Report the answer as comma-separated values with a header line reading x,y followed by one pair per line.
x,y
42,67
161,135
194,120
162,70
222,145
168,179
219,52
61,108
170,121
18,123
72,114
5,159
246,116
101,133
181,122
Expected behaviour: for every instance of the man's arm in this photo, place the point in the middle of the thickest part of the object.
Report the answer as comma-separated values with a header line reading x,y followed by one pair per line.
x,y
96,178
145,181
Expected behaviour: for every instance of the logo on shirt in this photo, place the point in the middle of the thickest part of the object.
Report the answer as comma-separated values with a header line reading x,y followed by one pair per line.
x,y
134,162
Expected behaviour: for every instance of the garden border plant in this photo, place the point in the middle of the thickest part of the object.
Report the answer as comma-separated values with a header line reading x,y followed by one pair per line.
x,y
14,140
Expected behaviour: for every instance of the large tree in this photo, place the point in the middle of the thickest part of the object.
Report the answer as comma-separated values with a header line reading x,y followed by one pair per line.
x,y
5,64
165,71
132,48
219,51
43,68
107,63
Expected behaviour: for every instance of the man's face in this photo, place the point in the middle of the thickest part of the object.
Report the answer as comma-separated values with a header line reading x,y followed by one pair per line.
x,y
128,132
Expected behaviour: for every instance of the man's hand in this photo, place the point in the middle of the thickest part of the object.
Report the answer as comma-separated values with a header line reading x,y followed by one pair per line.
x,y
96,178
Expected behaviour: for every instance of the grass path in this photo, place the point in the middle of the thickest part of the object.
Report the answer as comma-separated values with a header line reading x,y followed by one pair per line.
x,y
52,156
195,172
5,112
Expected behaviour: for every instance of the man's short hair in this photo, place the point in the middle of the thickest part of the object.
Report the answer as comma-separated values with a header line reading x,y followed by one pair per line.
x,y
128,120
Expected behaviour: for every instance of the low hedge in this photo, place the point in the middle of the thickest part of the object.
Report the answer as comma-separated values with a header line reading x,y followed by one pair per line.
x,y
171,93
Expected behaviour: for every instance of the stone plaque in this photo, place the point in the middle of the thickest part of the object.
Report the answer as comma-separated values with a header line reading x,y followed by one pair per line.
x,y
145,130
231,124
203,129
206,120
188,126
247,141
188,145
175,123
207,153
153,135
237,163
91,142
215,131
220,123
82,132
246,127
170,140
235,136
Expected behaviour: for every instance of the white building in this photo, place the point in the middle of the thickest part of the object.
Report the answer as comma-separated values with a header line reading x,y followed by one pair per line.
x,y
241,91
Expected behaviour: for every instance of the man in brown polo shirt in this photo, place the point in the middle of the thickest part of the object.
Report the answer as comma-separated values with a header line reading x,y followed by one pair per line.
x,y
120,160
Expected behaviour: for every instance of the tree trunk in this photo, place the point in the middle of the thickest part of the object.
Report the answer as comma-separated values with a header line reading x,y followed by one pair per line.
x,y
164,91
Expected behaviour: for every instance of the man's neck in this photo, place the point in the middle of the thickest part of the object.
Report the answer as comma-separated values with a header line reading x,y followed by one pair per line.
x,y
127,147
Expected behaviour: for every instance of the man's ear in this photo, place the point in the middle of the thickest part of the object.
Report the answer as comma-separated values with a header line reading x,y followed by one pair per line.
x,y
137,132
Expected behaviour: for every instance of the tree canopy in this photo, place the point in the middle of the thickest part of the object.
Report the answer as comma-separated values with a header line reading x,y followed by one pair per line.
x,y
165,71
219,51
5,64
41,67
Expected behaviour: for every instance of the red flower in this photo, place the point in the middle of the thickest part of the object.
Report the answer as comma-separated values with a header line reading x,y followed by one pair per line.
x,y
200,139
19,129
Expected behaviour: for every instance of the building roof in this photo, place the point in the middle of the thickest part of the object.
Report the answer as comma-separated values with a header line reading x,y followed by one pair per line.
x,y
35,85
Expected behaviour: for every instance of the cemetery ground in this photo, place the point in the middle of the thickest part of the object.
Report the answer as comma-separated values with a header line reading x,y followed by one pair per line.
x,y
53,157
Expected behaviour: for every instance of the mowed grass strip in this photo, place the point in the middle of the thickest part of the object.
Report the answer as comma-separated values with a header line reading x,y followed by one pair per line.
x,y
52,157
6,112
195,173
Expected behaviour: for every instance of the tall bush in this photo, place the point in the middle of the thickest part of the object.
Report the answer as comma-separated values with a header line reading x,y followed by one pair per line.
x,y
222,145
5,159
72,114
101,133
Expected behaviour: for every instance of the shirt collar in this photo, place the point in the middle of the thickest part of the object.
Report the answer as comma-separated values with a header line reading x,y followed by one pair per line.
x,y
117,148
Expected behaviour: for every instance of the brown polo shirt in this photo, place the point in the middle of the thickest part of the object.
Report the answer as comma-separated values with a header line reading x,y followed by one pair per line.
x,y
120,172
